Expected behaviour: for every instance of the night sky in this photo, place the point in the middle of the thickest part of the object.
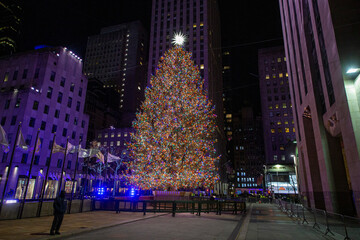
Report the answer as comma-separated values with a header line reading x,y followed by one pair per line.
x,y
246,27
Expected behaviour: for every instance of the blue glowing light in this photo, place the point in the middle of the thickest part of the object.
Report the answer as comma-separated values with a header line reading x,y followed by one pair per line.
x,y
101,191
132,192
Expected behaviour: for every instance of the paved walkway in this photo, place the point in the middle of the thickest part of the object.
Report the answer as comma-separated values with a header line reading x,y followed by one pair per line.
x,y
263,221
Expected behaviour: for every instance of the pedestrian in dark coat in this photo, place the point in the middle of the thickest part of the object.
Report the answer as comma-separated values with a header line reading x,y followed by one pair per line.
x,y
59,211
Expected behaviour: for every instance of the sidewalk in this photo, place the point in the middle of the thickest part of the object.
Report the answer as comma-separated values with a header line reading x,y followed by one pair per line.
x,y
268,222
263,221
39,228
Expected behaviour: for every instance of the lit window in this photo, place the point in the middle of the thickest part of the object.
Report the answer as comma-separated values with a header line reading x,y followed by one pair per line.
x,y
293,129
286,74
274,75
201,24
226,53
283,157
119,134
267,76
277,106
286,122
285,59
275,157
279,59
105,144
106,135
287,130
228,116
272,130
282,147
111,143
118,143
279,123
284,105
99,136
280,75
194,26
125,134
112,135
226,67
270,107
202,66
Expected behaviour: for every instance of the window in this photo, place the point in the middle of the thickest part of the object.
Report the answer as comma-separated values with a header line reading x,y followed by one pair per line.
x,y
3,120
59,98
80,92
272,130
279,130
15,75
284,105
46,109
52,76
280,75
72,86
6,78
111,143
77,106
118,143
267,76
43,125
75,121
67,117
69,102
275,157
59,163
62,81
106,135
282,147
119,134
49,92
36,75
32,122
73,135
47,161
17,103
112,135
64,132
57,113
36,105
24,158
24,73
82,123
68,165
7,104
54,128
287,130
13,121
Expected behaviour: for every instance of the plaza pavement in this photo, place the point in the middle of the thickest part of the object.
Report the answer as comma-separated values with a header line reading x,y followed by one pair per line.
x,y
262,221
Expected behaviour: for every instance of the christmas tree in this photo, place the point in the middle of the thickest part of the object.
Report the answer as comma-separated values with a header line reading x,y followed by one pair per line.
x,y
173,144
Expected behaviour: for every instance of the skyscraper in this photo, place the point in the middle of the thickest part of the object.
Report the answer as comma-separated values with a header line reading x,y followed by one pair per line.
x,y
321,40
199,21
117,57
10,20
278,122
42,89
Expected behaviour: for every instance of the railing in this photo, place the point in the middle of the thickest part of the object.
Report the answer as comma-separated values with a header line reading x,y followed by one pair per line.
x,y
326,222
157,206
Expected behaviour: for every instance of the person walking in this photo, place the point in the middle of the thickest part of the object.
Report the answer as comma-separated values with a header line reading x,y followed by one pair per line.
x,y
59,211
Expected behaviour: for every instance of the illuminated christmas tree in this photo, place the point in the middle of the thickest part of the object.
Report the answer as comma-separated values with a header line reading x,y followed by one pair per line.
x,y
173,145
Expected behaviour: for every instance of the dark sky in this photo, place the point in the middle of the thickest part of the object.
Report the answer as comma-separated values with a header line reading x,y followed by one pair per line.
x,y
246,27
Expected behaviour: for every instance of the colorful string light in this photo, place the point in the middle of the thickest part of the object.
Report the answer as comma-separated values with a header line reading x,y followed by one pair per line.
x,y
173,144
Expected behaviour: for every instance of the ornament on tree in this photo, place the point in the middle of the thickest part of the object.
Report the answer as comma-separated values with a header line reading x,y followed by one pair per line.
x,y
173,144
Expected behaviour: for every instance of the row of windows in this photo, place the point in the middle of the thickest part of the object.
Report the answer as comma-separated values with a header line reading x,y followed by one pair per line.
x,y
280,130
279,122
283,158
283,105
246,179
281,75
112,135
111,144
276,98
24,74
266,61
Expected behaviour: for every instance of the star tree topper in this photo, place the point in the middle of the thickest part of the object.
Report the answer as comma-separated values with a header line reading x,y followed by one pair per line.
x,y
179,39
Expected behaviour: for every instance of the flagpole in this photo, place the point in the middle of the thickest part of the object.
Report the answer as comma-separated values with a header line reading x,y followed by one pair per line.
x,y
85,183
22,204
9,167
63,166
46,178
73,183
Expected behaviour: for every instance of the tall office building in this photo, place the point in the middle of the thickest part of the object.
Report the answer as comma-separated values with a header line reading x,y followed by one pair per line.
x,y
117,57
42,89
321,40
10,20
278,122
199,21
248,146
